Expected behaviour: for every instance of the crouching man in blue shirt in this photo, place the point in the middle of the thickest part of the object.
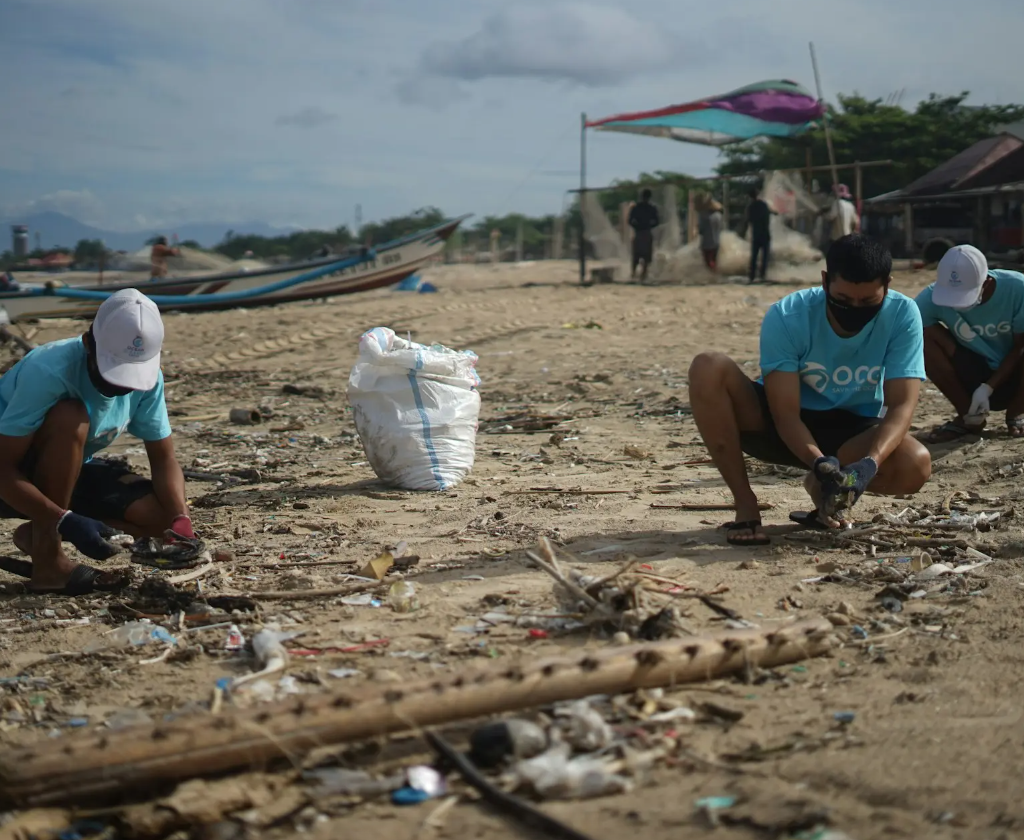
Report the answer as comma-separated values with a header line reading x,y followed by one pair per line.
x,y
973,320
59,406
841,369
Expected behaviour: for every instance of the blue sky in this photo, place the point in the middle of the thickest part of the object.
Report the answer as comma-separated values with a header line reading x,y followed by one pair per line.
x,y
130,114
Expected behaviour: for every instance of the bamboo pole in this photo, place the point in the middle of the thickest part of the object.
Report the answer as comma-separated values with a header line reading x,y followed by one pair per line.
x,y
140,759
582,243
825,121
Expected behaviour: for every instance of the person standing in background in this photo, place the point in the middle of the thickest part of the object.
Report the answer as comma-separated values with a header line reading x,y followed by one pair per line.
x,y
643,218
158,258
710,228
759,216
840,215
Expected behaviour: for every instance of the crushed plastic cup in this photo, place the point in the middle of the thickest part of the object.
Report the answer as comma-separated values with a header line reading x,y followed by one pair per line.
x,y
235,640
402,597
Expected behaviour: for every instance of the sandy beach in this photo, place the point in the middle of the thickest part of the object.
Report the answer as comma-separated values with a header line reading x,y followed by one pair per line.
x,y
934,737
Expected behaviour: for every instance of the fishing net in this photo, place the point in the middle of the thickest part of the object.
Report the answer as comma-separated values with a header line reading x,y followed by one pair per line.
x,y
795,256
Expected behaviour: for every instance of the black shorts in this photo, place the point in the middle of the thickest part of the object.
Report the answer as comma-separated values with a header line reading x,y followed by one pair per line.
x,y
830,429
643,245
104,491
972,370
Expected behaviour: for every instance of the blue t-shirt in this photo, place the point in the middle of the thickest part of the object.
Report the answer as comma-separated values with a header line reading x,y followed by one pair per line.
x,y
837,372
57,371
987,329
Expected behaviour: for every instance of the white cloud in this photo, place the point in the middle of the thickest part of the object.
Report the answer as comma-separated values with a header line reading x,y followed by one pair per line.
x,y
171,118
560,41
81,204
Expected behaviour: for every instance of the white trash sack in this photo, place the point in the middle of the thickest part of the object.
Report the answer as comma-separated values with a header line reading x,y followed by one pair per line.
x,y
415,409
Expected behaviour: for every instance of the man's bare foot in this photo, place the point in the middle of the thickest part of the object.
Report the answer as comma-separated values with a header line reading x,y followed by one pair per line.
x,y
51,569
813,489
22,538
749,514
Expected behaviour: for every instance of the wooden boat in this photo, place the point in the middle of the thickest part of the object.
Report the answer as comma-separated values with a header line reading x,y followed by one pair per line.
x,y
382,266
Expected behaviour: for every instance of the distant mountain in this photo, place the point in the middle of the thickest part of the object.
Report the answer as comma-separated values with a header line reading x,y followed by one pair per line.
x,y
57,230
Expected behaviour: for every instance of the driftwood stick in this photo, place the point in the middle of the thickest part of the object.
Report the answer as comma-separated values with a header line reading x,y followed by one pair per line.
x,y
136,760
310,594
699,506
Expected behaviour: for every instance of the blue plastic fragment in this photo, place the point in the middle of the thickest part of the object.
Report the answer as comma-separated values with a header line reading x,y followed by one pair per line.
x,y
409,796
844,717
859,631
716,803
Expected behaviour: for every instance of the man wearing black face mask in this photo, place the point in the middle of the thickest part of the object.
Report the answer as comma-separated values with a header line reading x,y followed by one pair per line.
x,y
61,405
841,368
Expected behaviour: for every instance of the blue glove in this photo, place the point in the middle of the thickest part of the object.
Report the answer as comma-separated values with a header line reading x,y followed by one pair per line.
x,y
855,480
87,535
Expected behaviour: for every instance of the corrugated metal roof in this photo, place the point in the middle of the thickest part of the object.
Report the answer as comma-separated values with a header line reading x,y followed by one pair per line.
x,y
1008,169
944,176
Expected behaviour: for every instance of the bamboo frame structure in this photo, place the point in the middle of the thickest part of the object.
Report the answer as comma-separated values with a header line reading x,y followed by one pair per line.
x,y
141,759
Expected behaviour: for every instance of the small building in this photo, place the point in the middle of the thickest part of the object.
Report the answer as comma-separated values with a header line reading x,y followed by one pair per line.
x,y
974,197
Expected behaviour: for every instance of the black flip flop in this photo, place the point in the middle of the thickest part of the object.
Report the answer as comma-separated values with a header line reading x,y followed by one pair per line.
x,y
808,519
83,580
750,525
180,553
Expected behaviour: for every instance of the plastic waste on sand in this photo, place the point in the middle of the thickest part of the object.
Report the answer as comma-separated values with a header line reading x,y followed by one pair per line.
x,y
415,410
402,597
553,775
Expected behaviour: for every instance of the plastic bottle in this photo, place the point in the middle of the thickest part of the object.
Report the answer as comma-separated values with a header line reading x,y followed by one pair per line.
x,y
402,597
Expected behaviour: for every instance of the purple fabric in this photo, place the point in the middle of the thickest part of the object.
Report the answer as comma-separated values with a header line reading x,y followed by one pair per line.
x,y
772,106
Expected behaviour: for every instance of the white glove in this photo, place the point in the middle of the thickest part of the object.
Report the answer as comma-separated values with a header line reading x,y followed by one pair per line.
x,y
979,405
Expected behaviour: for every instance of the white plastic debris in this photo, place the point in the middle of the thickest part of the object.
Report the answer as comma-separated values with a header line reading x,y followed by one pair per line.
x,y
553,775
583,727
271,654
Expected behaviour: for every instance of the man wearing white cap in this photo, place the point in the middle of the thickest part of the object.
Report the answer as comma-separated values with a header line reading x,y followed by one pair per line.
x,y
974,342
59,406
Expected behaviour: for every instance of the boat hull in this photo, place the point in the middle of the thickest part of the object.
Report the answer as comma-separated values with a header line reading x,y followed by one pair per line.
x,y
393,262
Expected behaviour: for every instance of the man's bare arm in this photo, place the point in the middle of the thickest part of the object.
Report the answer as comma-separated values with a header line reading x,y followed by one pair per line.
x,y
168,479
900,400
1006,367
783,390
15,487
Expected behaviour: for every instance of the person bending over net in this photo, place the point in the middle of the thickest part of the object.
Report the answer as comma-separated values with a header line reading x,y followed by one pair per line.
x,y
831,357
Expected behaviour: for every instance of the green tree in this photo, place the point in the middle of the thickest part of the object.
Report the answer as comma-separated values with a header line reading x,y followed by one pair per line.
x,y
377,233
871,129
89,251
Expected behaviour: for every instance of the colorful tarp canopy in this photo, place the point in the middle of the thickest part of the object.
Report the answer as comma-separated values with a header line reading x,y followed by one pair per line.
x,y
767,109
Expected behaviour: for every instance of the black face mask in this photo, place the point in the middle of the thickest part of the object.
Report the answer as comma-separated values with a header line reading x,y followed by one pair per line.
x,y
852,318
98,382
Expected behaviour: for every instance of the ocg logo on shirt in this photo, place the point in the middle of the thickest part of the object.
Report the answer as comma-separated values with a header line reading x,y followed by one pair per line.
x,y
817,376
969,333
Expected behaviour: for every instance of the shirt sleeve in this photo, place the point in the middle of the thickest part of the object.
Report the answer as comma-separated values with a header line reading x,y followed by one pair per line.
x,y
904,356
1017,325
37,389
149,420
928,311
779,350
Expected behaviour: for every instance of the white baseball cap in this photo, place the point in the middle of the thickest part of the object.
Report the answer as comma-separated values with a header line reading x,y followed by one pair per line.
x,y
129,334
962,273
